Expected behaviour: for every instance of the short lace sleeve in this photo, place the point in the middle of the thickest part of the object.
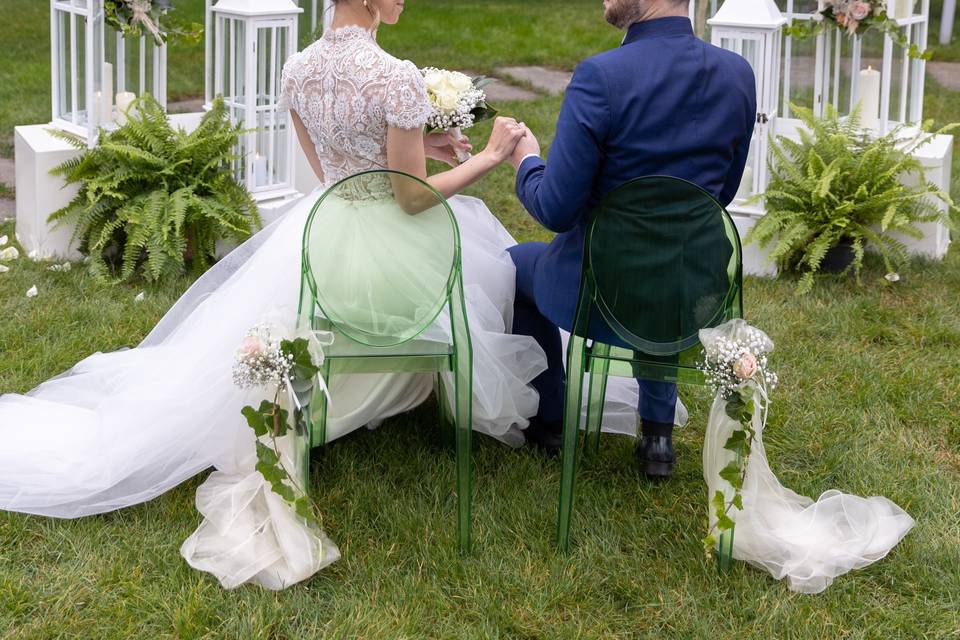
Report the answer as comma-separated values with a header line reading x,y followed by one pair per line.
x,y
288,83
406,105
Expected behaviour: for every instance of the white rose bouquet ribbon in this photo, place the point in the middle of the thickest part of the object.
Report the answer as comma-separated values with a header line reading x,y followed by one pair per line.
x,y
458,102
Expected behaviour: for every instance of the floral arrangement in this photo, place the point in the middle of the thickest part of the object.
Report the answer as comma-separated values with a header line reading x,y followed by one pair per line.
x,y
458,101
133,17
286,366
855,17
736,368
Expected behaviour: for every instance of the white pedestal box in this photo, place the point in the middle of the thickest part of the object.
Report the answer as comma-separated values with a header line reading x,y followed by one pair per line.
x,y
755,262
935,156
39,194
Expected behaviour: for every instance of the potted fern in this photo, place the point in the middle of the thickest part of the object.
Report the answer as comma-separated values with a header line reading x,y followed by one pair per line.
x,y
837,191
153,199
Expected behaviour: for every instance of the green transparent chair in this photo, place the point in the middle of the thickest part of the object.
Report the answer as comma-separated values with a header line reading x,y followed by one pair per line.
x,y
662,260
381,262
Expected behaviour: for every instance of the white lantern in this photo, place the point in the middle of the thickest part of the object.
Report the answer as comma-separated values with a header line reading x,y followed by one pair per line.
x,y
754,29
252,40
92,65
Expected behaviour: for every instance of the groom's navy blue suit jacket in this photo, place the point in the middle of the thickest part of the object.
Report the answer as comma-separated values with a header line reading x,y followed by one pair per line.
x,y
664,103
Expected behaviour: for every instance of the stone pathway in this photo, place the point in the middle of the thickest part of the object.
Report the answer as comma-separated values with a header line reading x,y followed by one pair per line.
x,y
549,81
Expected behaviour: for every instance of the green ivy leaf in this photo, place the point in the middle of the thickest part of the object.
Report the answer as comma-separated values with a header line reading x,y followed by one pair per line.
x,y
734,407
731,473
724,523
738,501
255,420
737,441
719,503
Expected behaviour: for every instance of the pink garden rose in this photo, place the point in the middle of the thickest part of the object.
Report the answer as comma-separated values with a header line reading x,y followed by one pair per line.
x,y
746,366
251,346
859,10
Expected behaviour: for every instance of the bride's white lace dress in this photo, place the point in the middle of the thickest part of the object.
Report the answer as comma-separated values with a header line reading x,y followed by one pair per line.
x,y
121,428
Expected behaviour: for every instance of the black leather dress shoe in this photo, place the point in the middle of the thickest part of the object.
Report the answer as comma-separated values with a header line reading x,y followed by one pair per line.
x,y
655,456
545,436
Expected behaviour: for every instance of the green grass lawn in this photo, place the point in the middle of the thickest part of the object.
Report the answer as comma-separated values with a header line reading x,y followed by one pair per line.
x,y
869,403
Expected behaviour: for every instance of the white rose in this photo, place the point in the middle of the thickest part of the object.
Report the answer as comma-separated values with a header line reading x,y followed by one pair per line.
x,y
460,82
434,80
447,100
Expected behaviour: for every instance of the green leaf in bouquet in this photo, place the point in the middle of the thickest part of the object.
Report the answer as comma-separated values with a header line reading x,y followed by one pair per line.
x,y
303,367
483,111
483,81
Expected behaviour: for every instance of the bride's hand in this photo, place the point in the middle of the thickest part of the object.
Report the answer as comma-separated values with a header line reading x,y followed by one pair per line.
x,y
507,132
444,146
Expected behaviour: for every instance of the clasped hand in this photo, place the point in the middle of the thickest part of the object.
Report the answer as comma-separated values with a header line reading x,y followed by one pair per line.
x,y
509,140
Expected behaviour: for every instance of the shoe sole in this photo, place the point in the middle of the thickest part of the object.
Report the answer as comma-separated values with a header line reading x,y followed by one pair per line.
x,y
656,469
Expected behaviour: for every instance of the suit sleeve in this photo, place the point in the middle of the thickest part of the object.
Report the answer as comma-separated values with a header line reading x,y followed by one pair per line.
x,y
556,193
732,184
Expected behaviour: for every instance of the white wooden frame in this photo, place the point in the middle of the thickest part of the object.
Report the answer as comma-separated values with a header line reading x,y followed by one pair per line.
x,y
90,13
234,55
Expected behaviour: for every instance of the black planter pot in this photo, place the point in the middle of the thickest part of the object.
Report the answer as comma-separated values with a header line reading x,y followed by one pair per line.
x,y
838,257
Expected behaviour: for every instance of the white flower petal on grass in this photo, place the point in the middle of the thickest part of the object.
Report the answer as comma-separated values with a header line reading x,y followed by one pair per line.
x,y
32,292
34,255
139,297
66,266
4,268
10,253
893,277
4,240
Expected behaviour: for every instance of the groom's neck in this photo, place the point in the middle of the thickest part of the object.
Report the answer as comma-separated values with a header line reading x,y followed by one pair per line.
x,y
662,9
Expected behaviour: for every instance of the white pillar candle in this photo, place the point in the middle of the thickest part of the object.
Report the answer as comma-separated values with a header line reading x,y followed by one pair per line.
x,y
869,99
259,171
124,100
903,9
106,94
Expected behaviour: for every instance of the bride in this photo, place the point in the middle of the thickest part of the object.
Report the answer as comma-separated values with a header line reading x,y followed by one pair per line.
x,y
121,428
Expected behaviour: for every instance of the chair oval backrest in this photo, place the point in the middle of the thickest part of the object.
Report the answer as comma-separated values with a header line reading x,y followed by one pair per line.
x,y
380,253
664,258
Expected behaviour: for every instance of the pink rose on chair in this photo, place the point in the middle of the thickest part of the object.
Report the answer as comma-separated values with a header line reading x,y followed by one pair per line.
x,y
746,366
251,347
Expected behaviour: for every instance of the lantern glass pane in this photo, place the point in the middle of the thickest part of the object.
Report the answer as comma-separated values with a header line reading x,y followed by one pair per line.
x,y
273,125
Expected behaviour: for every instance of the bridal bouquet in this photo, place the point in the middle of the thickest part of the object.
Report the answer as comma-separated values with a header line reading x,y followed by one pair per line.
x,y
457,101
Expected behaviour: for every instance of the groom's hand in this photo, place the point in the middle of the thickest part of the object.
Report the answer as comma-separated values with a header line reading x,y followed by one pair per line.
x,y
528,145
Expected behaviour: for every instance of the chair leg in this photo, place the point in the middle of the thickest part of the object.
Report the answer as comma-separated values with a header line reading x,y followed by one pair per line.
x,y
571,431
725,551
463,426
599,365
447,420
317,411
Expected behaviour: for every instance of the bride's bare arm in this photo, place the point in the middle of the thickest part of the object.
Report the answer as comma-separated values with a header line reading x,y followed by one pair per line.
x,y
405,153
308,147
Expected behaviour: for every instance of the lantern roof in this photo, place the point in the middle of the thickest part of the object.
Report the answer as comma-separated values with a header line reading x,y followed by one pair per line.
x,y
257,7
750,14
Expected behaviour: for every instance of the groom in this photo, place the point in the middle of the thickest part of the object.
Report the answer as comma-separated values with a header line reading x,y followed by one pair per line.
x,y
663,103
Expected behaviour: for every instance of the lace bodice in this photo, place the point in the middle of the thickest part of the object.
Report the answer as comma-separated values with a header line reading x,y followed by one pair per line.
x,y
347,91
